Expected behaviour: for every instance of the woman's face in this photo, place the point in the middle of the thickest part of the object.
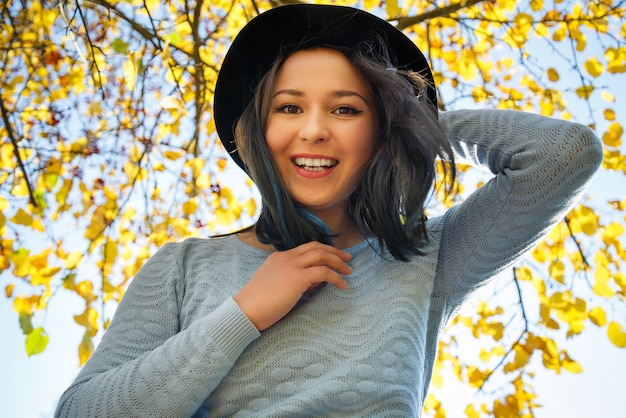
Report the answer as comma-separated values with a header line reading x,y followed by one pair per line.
x,y
321,129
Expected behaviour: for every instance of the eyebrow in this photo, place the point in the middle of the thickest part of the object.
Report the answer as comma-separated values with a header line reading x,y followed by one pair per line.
x,y
335,93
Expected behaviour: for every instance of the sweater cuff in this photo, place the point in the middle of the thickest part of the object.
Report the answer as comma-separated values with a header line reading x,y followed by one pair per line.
x,y
232,331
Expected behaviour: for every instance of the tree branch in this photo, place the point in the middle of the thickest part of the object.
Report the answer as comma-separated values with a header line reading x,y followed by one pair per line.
x,y
578,245
146,34
94,62
16,151
405,22
518,340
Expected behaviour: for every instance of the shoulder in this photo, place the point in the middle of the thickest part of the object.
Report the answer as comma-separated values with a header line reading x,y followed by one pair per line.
x,y
176,259
192,250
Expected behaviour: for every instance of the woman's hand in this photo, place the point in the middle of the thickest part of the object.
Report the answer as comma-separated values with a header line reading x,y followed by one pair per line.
x,y
281,280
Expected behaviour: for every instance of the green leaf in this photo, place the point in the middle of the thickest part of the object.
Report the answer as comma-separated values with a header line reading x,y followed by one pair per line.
x,y
119,46
25,323
36,341
173,38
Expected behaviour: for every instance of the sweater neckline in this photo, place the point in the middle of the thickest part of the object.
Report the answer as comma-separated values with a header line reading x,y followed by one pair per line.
x,y
251,249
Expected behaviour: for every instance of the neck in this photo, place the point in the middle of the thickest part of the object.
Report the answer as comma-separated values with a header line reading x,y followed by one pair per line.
x,y
348,235
341,224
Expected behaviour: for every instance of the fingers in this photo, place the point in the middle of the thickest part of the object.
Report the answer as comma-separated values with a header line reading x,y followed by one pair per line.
x,y
322,274
316,254
280,281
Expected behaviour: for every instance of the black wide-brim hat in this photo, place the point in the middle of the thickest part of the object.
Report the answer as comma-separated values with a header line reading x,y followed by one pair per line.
x,y
286,29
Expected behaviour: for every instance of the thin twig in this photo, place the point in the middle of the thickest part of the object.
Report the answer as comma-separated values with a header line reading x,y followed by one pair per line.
x,y
16,151
518,340
578,245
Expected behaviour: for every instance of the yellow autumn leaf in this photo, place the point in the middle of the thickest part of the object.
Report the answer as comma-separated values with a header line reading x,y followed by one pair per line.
x,y
479,94
613,135
570,365
584,92
172,155
553,74
181,227
26,305
432,404
559,34
580,38
392,9
476,377
250,206
551,357
73,259
69,282
601,285
203,181
85,349
607,96
8,290
593,67
613,160
190,206
89,320
97,225
22,218
616,335
616,60
536,5
522,356
609,114
450,56
523,273
597,316
85,290
471,412
620,278
612,233
557,271
21,262
130,71
109,251
584,219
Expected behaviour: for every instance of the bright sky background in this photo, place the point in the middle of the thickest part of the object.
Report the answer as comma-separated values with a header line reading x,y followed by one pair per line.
x,y
30,387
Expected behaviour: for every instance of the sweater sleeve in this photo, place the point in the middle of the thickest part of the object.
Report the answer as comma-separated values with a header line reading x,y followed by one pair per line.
x,y
145,364
541,167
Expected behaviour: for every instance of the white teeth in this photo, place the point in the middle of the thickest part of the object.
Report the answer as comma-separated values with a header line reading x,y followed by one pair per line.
x,y
314,164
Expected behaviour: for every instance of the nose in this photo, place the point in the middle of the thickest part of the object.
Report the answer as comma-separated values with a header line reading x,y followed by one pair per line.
x,y
314,128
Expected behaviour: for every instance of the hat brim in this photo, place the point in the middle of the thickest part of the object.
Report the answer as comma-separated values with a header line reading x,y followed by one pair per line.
x,y
286,29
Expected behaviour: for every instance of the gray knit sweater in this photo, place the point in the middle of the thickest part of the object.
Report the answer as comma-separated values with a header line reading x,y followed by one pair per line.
x,y
179,345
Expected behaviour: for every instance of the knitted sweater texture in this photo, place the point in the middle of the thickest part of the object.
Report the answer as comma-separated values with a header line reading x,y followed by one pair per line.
x,y
179,345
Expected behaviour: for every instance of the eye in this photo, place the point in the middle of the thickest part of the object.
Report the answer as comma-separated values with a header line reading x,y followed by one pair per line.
x,y
346,110
289,109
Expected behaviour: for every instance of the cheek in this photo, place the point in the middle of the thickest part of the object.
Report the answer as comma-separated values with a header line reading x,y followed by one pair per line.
x,y
275,135
365,147
272,139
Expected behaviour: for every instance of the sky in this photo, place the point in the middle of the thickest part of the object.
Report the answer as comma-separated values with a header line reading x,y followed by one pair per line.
x,y
30,387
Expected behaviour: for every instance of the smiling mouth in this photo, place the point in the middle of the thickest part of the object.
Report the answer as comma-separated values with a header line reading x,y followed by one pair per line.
x,y
315,164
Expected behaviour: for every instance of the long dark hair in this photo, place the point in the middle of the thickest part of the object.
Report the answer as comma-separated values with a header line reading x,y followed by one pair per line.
x,y
389,201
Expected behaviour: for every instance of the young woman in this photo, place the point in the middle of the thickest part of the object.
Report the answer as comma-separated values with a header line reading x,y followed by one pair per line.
x,y
334,117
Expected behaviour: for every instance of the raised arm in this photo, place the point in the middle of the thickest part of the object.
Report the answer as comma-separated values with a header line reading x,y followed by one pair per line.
x,y
146,365
541,166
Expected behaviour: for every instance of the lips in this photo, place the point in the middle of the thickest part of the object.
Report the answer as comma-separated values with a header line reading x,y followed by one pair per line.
x,y
315,164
